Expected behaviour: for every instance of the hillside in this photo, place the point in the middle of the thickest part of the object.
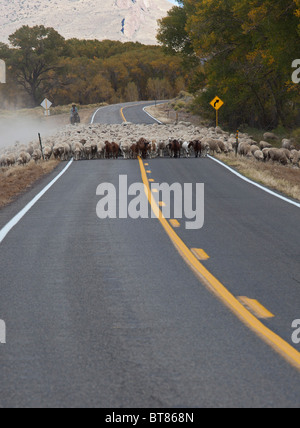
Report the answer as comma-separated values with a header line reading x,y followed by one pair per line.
x,y
123,20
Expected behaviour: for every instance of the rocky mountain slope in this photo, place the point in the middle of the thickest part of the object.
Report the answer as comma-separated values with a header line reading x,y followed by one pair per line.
x,y
124,20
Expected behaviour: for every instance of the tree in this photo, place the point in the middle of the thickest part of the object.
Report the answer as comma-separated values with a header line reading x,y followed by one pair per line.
x,y
131,92
36,52
246,48
159,89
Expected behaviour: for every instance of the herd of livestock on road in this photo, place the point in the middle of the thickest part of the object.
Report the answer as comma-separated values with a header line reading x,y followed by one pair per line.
x,y
149,141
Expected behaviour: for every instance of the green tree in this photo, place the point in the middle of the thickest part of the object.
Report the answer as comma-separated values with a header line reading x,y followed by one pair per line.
x,y
35,54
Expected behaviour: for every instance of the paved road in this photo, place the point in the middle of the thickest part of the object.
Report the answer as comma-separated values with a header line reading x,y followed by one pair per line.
x,y
133,113
106,312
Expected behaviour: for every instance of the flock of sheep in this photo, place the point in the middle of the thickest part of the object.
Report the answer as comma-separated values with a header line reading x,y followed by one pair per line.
x,y
87,142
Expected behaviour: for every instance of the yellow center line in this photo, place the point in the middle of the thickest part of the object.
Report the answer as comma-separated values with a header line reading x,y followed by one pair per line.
x,y
122,115
257,308
174,222
162,204
200,254
271,338
122,111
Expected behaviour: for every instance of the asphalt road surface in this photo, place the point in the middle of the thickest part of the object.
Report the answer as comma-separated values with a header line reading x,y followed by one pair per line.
x,y
105,313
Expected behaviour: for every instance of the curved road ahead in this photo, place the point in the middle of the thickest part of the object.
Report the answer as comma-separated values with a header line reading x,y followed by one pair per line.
x,y
107,313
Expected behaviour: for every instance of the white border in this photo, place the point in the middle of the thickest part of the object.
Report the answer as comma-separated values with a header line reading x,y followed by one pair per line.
x,y
6,229
265,189
94,115
152,117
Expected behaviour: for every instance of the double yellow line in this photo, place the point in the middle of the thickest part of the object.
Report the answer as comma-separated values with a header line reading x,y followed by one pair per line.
x,y
272,339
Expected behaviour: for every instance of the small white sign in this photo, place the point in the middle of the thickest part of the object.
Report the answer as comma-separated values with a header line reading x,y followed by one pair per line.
x,y
2,332
2,71
46,104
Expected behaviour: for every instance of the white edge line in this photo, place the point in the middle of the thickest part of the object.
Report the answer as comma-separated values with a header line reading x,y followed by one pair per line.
x,y
94,115
265,189
152,117
6,229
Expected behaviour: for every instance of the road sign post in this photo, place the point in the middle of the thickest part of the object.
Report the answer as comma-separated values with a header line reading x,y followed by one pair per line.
x,y
46,104
217,103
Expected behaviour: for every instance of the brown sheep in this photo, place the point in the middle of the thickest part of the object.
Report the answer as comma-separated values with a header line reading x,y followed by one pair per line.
x,y
277,155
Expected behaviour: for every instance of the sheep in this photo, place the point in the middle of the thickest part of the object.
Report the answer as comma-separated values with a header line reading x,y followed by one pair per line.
x,y
186,149
161,148
253,149
221,145
295,157
88,151
213,145
258,154
77,151
56,151
134,151
3,161
24,158
153,150
204,148
287,144
270,136
37,155
100,150
125,149
244,149
265,153
47,152
265,145
277,155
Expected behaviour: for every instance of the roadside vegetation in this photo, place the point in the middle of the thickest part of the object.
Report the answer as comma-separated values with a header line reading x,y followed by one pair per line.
x,y
283,179
241,51
18,179
41,63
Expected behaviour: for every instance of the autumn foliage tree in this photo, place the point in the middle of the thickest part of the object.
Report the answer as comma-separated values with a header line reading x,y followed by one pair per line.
x,y
86,71
247,47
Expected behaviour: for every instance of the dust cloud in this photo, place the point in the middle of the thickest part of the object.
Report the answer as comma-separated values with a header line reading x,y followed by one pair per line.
x,y
25,129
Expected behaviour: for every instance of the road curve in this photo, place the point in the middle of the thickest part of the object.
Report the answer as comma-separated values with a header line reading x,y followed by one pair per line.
x,y
105,313
114,114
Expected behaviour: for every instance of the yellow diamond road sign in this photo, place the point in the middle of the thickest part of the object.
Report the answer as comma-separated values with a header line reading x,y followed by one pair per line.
x,y
217,103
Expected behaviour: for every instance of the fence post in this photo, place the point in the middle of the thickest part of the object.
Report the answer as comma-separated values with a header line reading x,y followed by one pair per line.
x,y
42,150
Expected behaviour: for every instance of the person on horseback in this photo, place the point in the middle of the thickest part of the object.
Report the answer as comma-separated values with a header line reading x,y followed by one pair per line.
x,y
74,114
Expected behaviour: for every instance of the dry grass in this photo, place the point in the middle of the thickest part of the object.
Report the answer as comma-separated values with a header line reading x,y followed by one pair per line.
x,y
166,114
17,179
284,179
